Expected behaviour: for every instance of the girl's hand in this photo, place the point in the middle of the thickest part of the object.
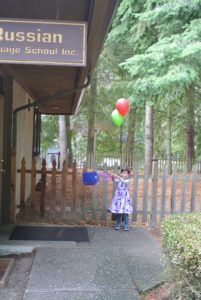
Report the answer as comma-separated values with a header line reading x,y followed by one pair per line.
x,y
114,176
117,176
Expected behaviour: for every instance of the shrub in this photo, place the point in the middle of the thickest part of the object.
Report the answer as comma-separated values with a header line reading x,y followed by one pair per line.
x,y
181,242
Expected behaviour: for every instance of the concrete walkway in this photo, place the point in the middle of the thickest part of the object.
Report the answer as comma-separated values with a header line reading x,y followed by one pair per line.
x,y
114,265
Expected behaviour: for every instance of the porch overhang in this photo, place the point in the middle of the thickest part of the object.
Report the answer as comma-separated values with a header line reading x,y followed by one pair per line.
x,y
63,85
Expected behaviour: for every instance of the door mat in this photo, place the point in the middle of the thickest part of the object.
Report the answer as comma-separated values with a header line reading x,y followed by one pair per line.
x,y
47,233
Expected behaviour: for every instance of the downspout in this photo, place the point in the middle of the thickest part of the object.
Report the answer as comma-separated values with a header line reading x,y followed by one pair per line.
x,y
41,101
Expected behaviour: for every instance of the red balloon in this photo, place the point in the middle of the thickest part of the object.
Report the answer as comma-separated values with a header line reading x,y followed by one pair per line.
x,y
122,106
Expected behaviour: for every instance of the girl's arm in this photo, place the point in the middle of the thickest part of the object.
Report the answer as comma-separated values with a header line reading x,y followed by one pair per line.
x,y
119,178
115,179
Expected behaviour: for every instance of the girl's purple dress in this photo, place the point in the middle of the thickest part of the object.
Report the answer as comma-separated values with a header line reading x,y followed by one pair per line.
x,y
121,202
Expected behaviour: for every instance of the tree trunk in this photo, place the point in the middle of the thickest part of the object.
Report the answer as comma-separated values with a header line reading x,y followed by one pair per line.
x,y
190,131
69,141
131,136
91,115
148,138
169,139
62,139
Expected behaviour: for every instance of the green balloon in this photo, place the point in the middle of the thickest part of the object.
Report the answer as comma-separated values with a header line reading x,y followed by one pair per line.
x,y
117,118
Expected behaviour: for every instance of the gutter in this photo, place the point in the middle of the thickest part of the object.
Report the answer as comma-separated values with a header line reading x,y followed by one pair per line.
x,y
41,101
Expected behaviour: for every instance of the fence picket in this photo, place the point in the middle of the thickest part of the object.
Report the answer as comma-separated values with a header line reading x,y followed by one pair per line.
x,y
22,184
154,195
104,193
53,185
145,195
163,193
63,185
115,171
83,197
135,193
173,191
193,188
33,182
13,188
94,197
114,187
183,189
43,188
74,184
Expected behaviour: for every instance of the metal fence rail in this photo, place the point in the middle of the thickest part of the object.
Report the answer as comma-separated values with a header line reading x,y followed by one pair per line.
x,y
115,158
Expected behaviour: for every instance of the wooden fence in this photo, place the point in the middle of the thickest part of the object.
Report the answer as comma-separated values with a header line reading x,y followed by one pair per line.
x,y
154,197
42,184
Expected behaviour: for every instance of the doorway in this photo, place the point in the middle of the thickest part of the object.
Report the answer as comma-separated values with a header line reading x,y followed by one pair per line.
x,y
1,147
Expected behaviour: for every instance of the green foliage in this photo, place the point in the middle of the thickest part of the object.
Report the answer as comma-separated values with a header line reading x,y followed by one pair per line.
x,y
152,54
181,242
171,64
170,16
49,132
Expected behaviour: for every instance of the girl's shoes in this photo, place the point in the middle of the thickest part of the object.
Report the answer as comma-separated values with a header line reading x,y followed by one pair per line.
x,y
118,227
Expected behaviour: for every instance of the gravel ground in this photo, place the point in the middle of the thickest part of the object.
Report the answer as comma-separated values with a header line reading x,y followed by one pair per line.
x,y
17,280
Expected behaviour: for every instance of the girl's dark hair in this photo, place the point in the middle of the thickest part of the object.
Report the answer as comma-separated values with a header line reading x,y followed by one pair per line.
x,y
125,170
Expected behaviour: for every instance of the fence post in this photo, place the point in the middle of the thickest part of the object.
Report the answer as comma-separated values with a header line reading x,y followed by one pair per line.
x,y
115,170
43,188
94,197
83,198
104,193
53,185
135,193
63,184
13,189
153,217
193,188
22,184
74,181
163,193
183,189
145,194
33,182
173,191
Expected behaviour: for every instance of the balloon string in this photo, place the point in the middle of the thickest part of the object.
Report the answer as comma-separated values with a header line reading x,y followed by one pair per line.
x,y
105,175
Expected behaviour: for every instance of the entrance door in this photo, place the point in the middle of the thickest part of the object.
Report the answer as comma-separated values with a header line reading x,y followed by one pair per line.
x,y
1,147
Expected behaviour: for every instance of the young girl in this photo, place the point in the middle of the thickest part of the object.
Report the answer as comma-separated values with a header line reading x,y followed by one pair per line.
x,y
121,202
